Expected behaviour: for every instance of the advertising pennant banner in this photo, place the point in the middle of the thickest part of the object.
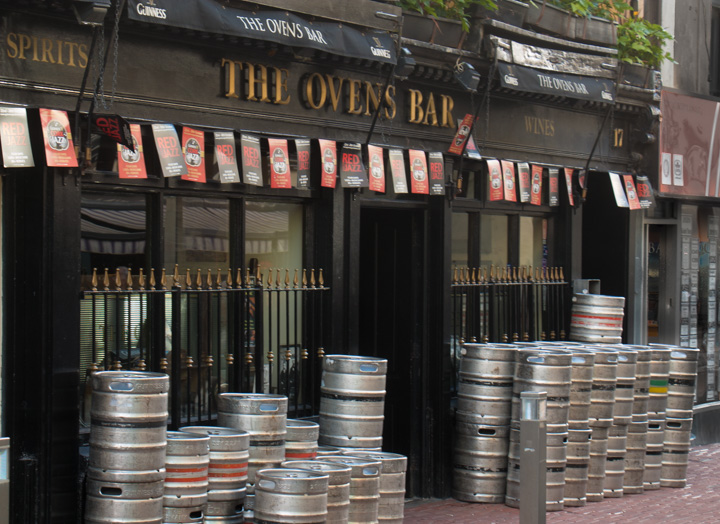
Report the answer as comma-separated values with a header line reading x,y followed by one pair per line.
x,y
225,158
352,169
618,190
508,169
418,168
251,160
568,182
193,142
302,146
536,186
328,156
645,192
632,195
461,135
524,181
279,163
376,180
15,138
554,189
59,148
169,150
397,167
437,173
495,180
114,127
131,162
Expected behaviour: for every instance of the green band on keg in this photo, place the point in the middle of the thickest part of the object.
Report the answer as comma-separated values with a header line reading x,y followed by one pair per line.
x,y
658,386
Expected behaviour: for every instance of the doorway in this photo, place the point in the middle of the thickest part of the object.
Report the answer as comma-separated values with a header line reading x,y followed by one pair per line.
x,y
391,312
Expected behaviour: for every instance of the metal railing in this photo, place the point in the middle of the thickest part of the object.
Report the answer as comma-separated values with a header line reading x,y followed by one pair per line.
x,y
507,304
211,332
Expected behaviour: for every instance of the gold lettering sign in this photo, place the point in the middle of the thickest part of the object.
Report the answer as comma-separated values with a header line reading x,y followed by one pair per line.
x,y
539,126
321,92
22,46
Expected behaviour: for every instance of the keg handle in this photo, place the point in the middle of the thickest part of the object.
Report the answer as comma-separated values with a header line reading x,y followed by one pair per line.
x,y
109,491
120,386
268,407
678,354
370,472
535,358
368,368
579,359
622,358
266,484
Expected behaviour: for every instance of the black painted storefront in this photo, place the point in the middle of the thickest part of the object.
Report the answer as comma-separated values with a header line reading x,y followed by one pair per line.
x,y
386,257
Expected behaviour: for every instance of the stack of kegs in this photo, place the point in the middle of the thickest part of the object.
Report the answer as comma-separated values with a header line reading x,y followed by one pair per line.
x,y
597,319
602,406
227,471
285,495
579,432
338,496
186,481
637,429
126,475
657,403
482,422
364,487
264,417
678,420
352,401
622,416
542,370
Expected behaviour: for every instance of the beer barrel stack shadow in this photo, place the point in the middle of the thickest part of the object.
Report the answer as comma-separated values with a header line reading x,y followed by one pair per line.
x,y
126,475
482,422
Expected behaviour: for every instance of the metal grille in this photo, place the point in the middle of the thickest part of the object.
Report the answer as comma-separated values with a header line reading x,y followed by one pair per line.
x,y
211,332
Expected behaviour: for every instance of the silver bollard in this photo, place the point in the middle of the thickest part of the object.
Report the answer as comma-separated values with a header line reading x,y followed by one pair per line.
x,y
533,442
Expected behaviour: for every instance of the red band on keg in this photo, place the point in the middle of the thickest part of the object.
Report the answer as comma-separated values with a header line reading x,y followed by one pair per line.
x,y
236,465
186,479
185,470
300,455
228,475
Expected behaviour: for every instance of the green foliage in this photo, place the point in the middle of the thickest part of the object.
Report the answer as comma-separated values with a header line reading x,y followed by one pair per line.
x,y
452,9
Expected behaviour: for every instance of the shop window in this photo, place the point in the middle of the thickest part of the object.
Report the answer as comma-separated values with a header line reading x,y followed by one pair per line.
x,y
533,241
715,49
460,239
494,240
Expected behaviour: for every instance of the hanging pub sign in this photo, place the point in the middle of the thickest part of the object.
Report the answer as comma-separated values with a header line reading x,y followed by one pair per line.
x,y
618,190
554,189
495,180
461,135
437,173
328,156
225,157
508,170
397,168
352,169
418,168
251,163
193,146
568,182
376,180
131,162
169,150
632,195
59,148
279,163
536,185
645,192
15,138
114,127
302,146
524,181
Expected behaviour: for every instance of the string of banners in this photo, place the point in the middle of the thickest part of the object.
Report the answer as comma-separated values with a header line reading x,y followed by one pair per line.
x,y
523,182
183,155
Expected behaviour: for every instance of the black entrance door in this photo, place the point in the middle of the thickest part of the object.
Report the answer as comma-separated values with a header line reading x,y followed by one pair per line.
x,y
391,299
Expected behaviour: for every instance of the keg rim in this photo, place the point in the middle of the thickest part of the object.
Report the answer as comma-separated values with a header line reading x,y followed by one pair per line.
x,y
214,431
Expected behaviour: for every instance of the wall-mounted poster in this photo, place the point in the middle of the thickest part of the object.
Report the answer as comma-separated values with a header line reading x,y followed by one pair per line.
x,y
352,169
524,181
632,194
131,162
169,150
225,159
16,149
328,160
376,180
59,148
193,146
418,169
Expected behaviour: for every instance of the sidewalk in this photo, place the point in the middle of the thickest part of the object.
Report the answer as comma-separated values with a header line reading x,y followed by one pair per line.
x,y
696,503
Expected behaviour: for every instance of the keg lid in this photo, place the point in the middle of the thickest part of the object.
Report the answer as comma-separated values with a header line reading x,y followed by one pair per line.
x,y
284,480
361,467
130,382
338,473
391,462
181,443
221,438
355,364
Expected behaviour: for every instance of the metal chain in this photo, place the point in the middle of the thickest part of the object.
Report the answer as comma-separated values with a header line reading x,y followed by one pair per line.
x,y
98,67
116,44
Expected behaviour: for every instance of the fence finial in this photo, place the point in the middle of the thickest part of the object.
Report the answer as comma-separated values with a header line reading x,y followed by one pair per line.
x,y
94,279
118,280
141,279
106,280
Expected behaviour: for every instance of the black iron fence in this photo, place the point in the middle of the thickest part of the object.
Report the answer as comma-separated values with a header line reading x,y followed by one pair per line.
x,y
211,332
507,304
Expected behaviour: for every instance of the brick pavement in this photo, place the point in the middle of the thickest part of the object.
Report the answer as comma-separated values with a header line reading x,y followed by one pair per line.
x,y
696,503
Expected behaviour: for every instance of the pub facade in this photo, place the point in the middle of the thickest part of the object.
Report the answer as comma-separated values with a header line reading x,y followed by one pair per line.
x,y
228,192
